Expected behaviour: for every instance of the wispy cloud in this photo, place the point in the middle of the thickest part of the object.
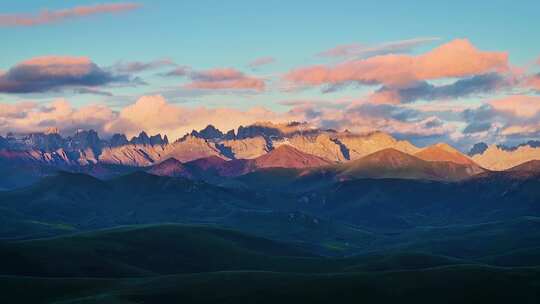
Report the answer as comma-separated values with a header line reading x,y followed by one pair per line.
x,y
217,79
363,50
50,16
141,66
92,91
224,78
261,61
180,71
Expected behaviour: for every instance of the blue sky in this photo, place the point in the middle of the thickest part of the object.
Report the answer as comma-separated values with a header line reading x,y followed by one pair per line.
x,y
207,35
210,33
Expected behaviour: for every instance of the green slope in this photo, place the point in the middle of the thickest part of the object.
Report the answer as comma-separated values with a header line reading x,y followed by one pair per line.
x,y
452,284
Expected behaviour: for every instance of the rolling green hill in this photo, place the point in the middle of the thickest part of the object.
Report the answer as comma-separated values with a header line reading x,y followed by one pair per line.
x,y
451,284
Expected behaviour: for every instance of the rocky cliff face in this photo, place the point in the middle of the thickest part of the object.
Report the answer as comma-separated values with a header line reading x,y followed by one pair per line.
x,y
499,158
360,145
246,148
321,145
190,148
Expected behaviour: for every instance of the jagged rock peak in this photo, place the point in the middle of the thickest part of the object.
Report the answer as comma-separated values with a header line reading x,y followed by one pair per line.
x,y
141,139
83,139
209,132
230,135
52,130
272,130
118,140
144,139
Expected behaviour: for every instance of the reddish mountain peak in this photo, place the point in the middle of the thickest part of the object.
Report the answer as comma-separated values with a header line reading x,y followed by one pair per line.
x,y
392,163
170,167
389,156
206,163
444,152
289,157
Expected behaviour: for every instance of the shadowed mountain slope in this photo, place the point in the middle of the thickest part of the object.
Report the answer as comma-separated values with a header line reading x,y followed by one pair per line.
x,y
391,163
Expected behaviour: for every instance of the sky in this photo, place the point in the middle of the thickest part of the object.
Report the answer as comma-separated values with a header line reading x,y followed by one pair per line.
x,y
459,72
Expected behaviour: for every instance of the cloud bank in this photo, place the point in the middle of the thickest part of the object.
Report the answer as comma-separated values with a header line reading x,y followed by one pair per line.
x,y
497,120
456,59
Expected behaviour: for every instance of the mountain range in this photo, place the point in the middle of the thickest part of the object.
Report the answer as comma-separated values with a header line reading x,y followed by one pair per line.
x,y
212,154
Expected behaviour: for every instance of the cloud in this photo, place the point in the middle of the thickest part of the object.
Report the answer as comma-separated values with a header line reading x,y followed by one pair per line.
x,y
533,82
139,66
363,51
479,119
261,61
458,58
224,78
155,115
47,16
92,92
518,105
368,117
515,116
216,79
479,84
32,117
181,71
495,120
51,73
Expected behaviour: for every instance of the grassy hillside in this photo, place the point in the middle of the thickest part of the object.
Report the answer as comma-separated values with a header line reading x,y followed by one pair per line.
x,y
203,264
452,284
149,250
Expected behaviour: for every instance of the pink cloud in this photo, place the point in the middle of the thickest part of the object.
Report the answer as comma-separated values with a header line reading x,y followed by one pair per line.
x,y
47,73
261,61
33,117
519,105
155,114
58,65
533,82
386,96
225,78
458,58
47,16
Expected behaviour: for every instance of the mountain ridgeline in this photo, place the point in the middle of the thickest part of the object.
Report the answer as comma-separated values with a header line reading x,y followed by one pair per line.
x,y
26,158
